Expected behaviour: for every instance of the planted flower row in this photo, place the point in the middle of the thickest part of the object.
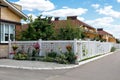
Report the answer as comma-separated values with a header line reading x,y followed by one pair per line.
x,y
67,57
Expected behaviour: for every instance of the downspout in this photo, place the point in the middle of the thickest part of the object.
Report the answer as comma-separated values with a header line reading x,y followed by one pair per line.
x,y
0,23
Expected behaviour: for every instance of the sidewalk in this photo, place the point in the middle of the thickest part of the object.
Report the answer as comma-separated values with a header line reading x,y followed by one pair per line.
x,y
39,65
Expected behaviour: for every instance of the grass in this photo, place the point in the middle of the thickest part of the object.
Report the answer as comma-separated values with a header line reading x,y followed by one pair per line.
x,y
89,58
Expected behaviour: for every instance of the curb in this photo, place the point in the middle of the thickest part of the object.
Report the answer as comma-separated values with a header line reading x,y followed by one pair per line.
x,y
57,68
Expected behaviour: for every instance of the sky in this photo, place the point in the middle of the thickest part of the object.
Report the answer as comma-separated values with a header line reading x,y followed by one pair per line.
x,y
97,13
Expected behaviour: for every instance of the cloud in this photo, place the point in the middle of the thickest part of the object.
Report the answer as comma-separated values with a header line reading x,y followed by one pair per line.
x,y
118,1
41,5
106,24
33,16
65,11
81,18
95,6
101,21
108,11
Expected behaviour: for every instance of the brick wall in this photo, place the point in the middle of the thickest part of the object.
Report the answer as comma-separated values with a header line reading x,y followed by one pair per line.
x,y
3,51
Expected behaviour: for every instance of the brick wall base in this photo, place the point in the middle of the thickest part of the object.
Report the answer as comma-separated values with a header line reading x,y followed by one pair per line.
x,y
3,51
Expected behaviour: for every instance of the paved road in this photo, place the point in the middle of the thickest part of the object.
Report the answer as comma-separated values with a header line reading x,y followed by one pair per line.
x,y
107,68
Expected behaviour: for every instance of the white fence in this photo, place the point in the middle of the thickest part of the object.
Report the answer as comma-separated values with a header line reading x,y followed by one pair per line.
x,y
82,49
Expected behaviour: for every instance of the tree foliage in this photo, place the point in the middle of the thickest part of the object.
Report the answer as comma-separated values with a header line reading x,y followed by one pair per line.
x,y
40,28
70,32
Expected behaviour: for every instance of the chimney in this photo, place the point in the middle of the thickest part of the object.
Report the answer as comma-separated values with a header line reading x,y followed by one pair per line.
x,y
99,29
57,18
71,17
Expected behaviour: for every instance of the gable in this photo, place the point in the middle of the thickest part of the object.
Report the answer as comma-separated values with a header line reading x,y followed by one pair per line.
x,y
13,8
7,14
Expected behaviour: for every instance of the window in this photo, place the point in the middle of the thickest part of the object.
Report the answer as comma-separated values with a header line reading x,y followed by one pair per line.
x,y
7,32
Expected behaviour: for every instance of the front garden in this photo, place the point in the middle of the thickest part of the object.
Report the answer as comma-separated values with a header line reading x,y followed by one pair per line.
x,y
67,57
64,52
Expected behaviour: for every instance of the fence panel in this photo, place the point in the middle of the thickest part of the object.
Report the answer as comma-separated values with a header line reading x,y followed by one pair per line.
x,y
55,46
82,49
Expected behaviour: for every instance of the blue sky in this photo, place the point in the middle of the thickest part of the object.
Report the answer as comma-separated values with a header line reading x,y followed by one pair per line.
x,y
97,13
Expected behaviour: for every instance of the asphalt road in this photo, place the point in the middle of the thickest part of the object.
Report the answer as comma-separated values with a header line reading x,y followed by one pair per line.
x,y
107,68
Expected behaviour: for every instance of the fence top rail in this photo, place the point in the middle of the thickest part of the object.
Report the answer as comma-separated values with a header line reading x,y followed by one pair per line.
x,y
15,42
71,41
56,41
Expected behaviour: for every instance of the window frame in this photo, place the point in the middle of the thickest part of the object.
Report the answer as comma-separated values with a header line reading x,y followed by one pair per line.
x,y
3,32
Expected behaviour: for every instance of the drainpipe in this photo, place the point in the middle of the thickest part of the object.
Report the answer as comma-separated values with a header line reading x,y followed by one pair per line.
x,y
0,23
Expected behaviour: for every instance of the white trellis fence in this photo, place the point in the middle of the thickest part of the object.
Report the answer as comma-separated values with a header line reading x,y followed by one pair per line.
x,y
82,49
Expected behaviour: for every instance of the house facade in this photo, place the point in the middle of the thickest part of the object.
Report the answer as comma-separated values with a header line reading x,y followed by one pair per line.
x,y
106,36
89,31
10,23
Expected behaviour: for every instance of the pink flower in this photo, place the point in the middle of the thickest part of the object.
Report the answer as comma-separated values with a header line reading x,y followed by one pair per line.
x,y
36,46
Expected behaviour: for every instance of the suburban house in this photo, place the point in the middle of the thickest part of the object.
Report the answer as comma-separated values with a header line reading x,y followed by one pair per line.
x,y
10,24
106,36
89,31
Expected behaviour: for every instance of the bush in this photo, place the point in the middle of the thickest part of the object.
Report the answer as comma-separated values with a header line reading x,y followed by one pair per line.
x,y
52,54
62,59
21,56
113,49
49,59
70,57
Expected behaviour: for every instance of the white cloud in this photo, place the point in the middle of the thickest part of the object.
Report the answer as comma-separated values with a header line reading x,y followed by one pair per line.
x,y
95,6
107,10
81,18
65,12
106,24
118,1
65,7
33,16
41,5
101,21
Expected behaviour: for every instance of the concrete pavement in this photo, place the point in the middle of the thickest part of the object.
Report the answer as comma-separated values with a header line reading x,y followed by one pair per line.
x,y
40,65
106,68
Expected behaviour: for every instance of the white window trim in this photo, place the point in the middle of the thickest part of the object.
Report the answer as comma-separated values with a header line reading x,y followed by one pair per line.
x,y
3,33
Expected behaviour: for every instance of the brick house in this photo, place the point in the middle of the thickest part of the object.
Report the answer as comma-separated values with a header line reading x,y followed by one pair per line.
x,y
106,36
10,24
89,31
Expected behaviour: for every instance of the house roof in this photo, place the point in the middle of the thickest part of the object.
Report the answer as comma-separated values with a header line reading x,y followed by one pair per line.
x,y
102,32
13,8
74,22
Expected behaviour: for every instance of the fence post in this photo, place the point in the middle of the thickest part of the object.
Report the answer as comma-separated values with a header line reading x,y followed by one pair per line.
x,y
75,50
40,43
75,46
9,48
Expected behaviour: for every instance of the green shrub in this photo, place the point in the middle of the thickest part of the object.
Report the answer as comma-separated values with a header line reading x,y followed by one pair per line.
x,y
66,58
20,56
52,54
49,59
61,60
70,57
113,49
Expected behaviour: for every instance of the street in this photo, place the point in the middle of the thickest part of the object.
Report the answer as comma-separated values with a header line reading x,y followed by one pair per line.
x,y
106,68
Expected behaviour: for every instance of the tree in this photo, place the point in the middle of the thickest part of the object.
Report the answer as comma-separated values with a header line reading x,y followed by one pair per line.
x,y
40,28
70,32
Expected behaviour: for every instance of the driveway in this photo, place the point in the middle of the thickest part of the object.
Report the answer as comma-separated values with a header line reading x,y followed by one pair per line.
x,y
106,68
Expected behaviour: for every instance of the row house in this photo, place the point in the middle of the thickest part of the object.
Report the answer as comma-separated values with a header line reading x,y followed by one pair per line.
x,y
10,24
89,31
